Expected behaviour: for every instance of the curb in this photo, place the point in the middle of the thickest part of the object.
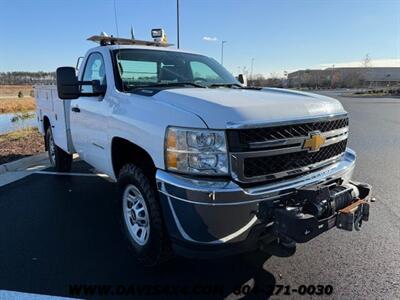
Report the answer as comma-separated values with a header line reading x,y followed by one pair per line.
x,y
369,96
23,163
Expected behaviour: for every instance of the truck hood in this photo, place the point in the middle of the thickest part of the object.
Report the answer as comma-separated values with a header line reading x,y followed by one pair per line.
x,y
221,107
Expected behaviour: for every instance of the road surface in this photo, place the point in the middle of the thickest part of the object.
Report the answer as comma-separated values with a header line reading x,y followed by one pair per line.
x,y
57,231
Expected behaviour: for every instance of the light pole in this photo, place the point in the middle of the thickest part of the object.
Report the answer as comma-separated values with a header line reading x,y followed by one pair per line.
x,y
251,70
177,22
222,51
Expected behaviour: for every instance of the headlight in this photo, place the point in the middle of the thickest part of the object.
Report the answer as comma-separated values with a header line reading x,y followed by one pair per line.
x,y
199,151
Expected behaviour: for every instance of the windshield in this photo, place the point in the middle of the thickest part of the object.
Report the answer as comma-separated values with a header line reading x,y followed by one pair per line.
x,y
138,68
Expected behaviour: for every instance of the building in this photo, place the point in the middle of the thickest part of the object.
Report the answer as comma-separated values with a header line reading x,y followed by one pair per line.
x,y
345,77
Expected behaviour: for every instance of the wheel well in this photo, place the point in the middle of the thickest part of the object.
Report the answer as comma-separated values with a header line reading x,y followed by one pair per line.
x,y
46,124
124,151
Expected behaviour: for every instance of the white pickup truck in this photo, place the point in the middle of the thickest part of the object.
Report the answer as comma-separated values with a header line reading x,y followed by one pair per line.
x,y
205,165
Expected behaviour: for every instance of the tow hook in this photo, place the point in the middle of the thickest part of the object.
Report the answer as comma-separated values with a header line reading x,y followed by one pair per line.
x,y
353,214
281,247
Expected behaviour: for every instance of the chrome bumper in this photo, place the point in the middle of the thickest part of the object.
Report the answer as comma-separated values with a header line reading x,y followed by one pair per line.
x,y
220,211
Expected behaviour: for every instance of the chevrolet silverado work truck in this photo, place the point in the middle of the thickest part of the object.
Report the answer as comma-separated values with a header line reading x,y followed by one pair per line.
x,y
205,165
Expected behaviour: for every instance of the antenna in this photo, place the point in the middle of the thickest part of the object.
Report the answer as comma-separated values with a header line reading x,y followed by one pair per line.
x,y
115,17
119,47
177,22
132,33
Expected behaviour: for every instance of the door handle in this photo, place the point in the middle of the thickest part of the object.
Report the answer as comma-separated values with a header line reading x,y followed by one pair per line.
x,y
76,109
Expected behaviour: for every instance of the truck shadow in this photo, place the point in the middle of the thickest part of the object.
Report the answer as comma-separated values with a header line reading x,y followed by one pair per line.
x,y
66,234
237,276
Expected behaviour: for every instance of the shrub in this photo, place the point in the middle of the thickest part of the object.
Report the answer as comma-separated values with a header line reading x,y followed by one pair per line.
x,y
20,94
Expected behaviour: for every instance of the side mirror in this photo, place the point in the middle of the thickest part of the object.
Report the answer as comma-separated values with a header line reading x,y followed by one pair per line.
x,y
242,79
68,86
67,83
98,89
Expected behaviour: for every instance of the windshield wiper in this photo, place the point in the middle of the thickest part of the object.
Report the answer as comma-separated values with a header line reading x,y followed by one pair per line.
x,y
229,85
234,85
169,84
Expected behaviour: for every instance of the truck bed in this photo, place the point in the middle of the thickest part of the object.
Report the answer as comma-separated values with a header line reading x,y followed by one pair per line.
x,y
56,111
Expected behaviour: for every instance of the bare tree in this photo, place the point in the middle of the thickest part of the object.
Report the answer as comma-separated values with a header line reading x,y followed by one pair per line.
x,y
27,77
366,63
353,79
257,80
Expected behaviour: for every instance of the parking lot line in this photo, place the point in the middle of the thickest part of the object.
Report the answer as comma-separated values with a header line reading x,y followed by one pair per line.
x,y
72,174
10,177
9,295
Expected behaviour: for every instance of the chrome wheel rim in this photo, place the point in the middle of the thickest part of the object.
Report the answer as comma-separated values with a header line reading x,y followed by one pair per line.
x,y
136,215
52,150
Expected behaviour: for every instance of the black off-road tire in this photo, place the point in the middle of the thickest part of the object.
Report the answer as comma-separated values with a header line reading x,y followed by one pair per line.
x,y
157,248
59,159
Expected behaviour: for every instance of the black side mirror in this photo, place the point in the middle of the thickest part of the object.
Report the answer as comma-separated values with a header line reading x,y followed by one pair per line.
x,y
67,83
68,86
242,79
98,89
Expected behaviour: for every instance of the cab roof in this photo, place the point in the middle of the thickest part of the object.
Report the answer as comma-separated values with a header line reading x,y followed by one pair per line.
x,y
118,47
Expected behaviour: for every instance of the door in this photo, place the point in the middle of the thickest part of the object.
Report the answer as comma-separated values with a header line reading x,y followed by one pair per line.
x,y
89,116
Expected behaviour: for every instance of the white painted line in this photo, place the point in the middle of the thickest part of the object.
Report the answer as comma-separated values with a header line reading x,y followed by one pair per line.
x,y
10,177
23,163
38,167
12,295
3,169
19,169
71,174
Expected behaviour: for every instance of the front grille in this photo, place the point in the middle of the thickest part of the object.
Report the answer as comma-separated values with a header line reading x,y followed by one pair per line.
x,y
262,166
240,140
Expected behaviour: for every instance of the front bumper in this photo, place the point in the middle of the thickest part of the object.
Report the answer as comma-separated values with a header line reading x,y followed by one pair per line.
x,y
212,217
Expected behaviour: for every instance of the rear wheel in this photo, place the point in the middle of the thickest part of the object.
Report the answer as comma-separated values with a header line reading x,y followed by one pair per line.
x,y
141,218
59,159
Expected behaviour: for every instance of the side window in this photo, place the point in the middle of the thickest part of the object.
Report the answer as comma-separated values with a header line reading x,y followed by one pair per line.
x,y
94,70
202,71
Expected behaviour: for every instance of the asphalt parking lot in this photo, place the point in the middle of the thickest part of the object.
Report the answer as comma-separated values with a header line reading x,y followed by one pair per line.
x,y
61,230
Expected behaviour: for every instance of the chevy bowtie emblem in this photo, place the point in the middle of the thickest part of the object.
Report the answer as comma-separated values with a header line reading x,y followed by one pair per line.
x,y
315,142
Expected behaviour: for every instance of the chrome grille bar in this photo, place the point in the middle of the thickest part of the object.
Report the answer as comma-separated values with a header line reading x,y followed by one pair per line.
x,y
281,146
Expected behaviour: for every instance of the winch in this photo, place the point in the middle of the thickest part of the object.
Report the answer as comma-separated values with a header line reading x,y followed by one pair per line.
x,y
315,209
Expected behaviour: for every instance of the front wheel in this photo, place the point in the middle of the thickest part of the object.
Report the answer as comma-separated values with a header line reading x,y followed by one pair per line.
x,y
59,159
141,218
